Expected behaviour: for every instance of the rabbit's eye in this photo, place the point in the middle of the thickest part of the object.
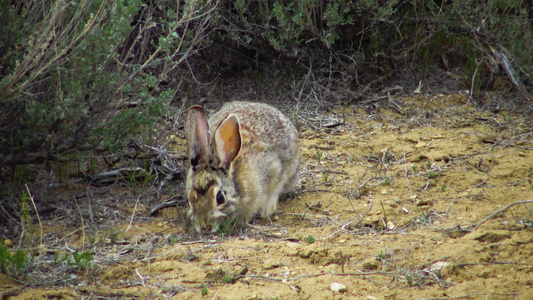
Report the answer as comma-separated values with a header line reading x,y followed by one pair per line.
x,y
220,198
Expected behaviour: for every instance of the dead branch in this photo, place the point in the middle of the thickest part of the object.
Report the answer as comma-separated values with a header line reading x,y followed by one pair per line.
x,y
172,202
468,296
316,275
499,211
333,172
110,177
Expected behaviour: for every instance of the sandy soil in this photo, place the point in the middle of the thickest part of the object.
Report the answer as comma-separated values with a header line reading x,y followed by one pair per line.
x,y
390,206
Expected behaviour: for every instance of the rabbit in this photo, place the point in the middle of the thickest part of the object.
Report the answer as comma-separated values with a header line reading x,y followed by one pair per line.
x,y
240,161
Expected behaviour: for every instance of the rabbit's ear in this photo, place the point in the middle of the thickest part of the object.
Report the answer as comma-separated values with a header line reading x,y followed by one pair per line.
x,y
228,140
197,135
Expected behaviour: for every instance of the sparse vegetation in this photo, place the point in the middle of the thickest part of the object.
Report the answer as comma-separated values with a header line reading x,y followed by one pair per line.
x,y
82,260
204,291
310,239
325,177
227,278
15,264
319,155
227,226
385,182
432,174
381,255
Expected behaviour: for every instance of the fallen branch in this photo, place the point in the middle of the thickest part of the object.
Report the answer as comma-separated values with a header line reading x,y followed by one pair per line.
x,y
333,172
316,275
172,202
469,296
499,211
511,74
111,177
300,192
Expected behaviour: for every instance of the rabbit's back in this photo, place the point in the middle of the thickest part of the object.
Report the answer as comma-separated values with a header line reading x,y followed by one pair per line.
x,y
263,129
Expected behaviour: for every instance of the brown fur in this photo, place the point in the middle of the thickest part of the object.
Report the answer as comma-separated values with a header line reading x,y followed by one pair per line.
x,y
251,158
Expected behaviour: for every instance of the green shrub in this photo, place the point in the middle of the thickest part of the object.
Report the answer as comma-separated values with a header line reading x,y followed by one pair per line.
x,y
83,75
13,263
384,37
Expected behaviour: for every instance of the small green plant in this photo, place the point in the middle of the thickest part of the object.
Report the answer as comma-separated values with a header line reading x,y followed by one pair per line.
x,y
227,278
414,167
204,290
432,174
146,180
325,177
19,174
409,279
112,235
28,230
13,264
172,240
60,259
443,187
310,239
382,255
386,182
82,260
227,226
319,155
428,165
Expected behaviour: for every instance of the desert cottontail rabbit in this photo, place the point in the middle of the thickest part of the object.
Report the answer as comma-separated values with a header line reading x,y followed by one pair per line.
x,y
241,160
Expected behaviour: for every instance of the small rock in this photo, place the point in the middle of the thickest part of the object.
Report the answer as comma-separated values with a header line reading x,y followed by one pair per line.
x,y
8,243
440,136
243,270
271,264
337,287
492,236
371,264
422,202
390,225
420,144
437,266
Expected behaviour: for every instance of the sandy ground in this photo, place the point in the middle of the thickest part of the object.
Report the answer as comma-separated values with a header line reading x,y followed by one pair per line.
x,y
388,208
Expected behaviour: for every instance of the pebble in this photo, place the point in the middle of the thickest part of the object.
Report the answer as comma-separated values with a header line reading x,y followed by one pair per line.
x,y
271,264
337,287
8,243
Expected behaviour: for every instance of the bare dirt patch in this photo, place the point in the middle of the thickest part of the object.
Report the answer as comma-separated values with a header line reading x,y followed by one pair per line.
x,y
388,207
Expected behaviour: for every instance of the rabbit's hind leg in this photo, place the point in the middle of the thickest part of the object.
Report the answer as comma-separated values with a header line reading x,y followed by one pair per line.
x,y
270,203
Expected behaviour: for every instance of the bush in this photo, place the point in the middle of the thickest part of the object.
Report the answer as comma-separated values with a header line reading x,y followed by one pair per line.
x,y
86,75
376,38
13,264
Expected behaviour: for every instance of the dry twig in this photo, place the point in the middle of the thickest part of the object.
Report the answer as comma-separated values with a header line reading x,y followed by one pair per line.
x,y
499,211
